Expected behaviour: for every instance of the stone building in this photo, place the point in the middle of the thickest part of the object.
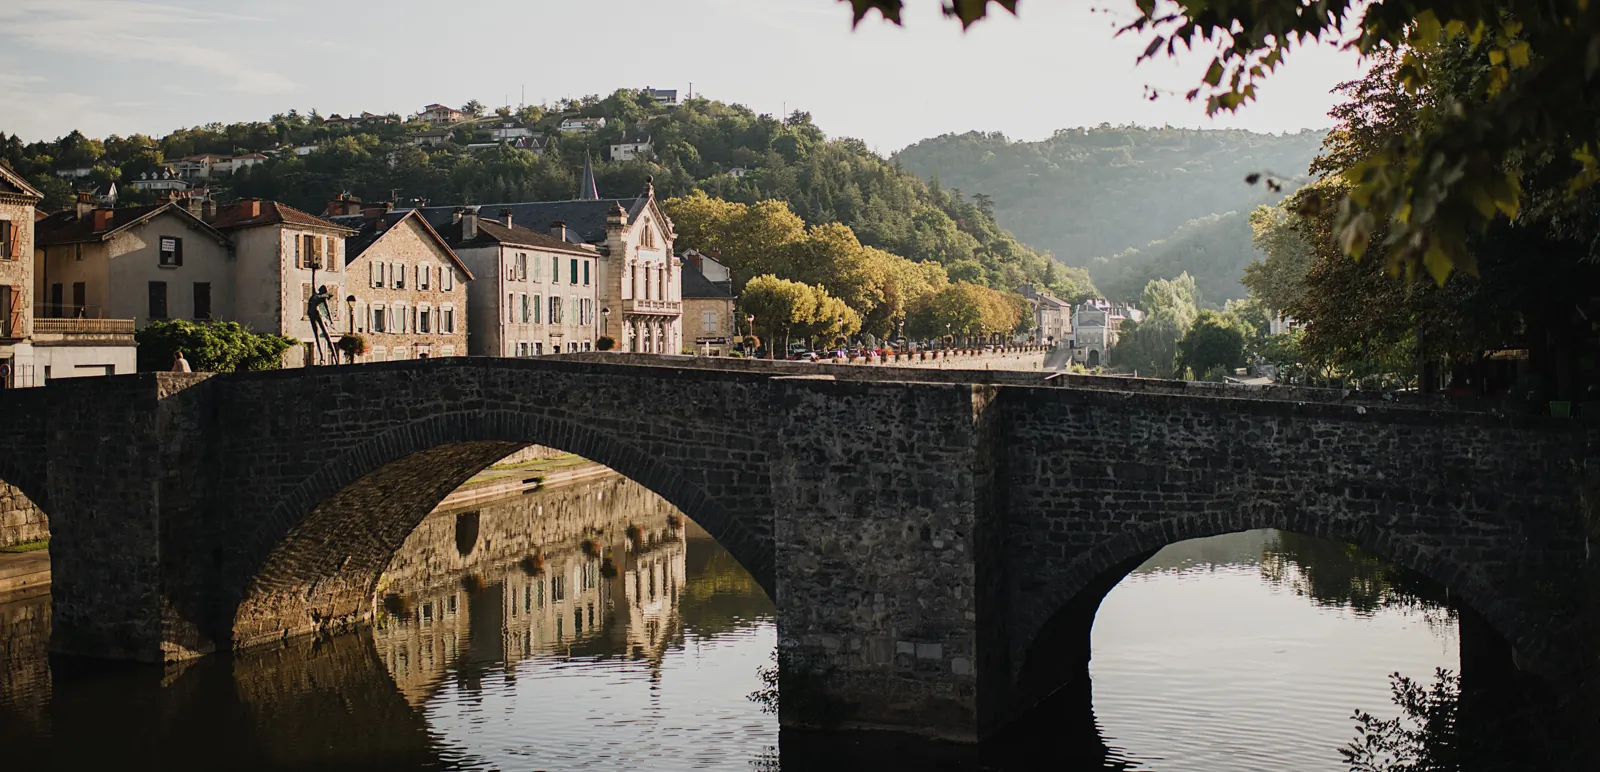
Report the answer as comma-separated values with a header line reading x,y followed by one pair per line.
x,y
17,200
708,313
535,293
407,292
282,256
638,282
1052,316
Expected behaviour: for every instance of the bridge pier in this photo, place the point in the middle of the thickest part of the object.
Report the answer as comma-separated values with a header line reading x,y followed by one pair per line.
x,y
126,481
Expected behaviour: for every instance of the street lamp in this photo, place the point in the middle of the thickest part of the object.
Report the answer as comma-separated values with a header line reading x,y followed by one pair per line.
x,y
750,321
605,319
948,338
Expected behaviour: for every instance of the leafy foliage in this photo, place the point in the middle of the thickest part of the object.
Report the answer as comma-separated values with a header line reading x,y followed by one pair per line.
x,y
215,347
1211,344
969,310
1150,347
783,308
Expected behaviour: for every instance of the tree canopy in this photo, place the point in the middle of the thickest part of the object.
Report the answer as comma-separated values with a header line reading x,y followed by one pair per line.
x,y
213,347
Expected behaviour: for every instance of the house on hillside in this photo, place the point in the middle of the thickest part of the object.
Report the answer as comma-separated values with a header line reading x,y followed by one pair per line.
x,y
661,96
439,115
431,138
580,125
739,172
75,173
632,146
510,129
1052,316
161,181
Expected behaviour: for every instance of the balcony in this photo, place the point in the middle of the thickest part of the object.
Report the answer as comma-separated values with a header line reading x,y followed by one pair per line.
x,y
83,326
659,307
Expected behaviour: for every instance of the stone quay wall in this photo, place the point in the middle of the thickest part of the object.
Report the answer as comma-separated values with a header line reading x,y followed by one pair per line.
x,y
20,519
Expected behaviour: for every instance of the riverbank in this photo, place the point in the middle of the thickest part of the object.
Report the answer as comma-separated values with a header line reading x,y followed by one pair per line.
x,y
24,574
513,479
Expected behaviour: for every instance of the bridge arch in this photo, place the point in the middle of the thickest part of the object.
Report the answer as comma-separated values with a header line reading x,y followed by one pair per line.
x,y
314,563
1059,618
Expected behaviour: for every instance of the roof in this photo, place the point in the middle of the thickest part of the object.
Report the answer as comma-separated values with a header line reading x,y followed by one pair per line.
x,y
68,228
369,234
15,180
233,216
632,139
492,232
587,190
697,286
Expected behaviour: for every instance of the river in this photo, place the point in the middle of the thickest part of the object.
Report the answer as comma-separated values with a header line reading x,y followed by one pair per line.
x,y
590,626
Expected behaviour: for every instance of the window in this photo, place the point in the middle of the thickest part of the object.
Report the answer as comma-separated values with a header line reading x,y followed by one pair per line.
x,y
424,276
10,319
538,347
80,299
171,251
555,270
398,272
447,321
8,239
379,319
447,278
555,309
398,314
586,273
331,252
77,252
522,348
527,313
708,322
574,271
522,266
376,271
202,299
424,320
305,300
158,300
536,308
55,310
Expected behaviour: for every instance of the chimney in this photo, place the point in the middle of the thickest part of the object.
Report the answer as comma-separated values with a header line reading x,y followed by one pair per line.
x,y
250,207
469,225
102,218
617,219
208,209
377,210
345,204
192,205
505,216
85,204
558,229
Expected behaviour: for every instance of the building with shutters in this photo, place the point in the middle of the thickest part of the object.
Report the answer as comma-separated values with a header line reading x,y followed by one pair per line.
x,y
635,276
535,293
407,296
708,312
34,350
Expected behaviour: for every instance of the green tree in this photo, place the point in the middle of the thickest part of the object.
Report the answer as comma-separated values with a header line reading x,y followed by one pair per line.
x,y
1278,279
779,306
1211,345
216,347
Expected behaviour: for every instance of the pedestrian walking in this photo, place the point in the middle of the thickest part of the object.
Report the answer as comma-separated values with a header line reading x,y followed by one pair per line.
x,y
179,364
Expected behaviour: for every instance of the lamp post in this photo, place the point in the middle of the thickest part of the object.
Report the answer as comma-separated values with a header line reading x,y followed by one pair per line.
x,y
750,321
605,323
948,338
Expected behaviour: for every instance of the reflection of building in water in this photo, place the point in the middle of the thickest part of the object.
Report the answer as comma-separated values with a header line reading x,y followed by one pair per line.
x,y
588,569
24,664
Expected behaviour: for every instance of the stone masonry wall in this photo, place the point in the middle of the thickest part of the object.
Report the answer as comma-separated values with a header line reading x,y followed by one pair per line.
x,y
20,519
1487,506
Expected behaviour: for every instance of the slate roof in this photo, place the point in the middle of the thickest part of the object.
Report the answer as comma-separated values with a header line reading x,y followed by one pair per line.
x,y
585,219
697,287
368,234
68,228
491,232
233,216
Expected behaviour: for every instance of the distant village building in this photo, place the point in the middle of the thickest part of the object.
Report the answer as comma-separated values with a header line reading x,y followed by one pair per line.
x,y
439,115
161,180
1095,328
708,313
408,290
78,172
661,96
509,129
1052,316
579,125
632,146
431,138
739,172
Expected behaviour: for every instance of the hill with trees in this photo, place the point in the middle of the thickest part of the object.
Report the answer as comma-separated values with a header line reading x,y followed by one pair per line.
x,y
725,150
1088,193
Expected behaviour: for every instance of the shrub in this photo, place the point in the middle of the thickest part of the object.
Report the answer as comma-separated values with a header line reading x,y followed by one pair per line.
x,y
213,347
352,345
605,343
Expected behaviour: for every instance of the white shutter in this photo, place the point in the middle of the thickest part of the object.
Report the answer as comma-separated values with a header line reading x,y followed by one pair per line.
x,y
372,274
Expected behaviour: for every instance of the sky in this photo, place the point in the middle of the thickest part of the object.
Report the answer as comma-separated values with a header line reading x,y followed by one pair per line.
x,y
152,66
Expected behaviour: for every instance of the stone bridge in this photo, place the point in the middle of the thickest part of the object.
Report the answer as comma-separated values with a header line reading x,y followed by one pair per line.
x,y
936,542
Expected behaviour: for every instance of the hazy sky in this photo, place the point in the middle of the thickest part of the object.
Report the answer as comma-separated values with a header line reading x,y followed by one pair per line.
x,y
126,66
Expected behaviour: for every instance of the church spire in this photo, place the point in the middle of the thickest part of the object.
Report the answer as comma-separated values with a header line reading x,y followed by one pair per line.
x,y
586,187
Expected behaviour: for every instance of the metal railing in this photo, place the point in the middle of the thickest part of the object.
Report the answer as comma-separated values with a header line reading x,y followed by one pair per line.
x,y
659,306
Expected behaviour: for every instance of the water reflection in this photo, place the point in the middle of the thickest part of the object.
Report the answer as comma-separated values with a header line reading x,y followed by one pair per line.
x,y
582,626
